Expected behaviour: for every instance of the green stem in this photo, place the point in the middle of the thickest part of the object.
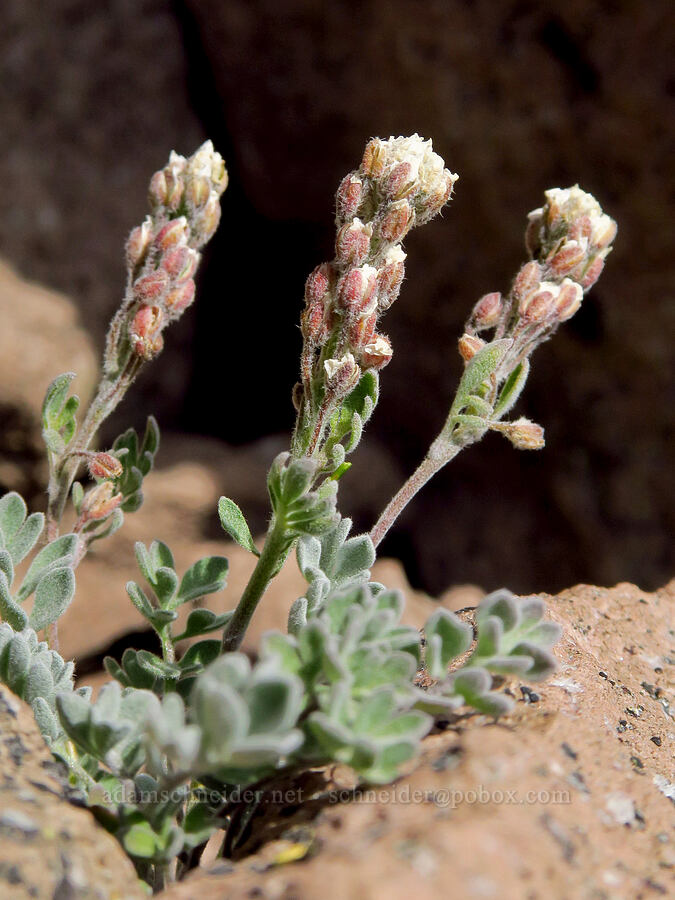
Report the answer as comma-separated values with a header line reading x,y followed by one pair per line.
x,y
276,545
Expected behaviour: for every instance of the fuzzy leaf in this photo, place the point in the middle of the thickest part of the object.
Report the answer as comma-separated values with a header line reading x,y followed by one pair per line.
x,y
55,555
10,612
477,371
447,638
512,389
53,595
203,621
233,522
206,576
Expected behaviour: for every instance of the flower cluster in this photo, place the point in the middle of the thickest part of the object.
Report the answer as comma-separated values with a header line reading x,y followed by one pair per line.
x,y
400,183
568,239
163,252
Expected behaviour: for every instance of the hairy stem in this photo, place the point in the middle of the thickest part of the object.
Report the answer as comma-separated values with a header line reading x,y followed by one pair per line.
x,y
440,453
276,545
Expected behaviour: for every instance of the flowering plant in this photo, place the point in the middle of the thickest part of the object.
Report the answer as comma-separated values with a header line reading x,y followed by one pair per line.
x,y
161,754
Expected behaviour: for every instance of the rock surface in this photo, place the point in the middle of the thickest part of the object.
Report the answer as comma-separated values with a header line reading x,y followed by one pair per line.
x,y
573,795
50,849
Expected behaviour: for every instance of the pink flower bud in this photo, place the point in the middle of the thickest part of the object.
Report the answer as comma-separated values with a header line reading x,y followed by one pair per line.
x,y
99,502
487,312
377,353
146,322
570,255
341,375
374,158
151,287
360,331
138,243
104,465
353,243
603,231
535,221
538,306
356,289
148,348
429,205
180,297
172,235
175,187
348,197
568,300
390,278
313,323
468,345
581,228
181,263
400,181
157,192
592,273
527,280
396,221
318,282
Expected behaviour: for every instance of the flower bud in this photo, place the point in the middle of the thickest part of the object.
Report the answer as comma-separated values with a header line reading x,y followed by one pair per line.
x,y
537,306
487,312
209,218
603,231
317,285
535,221
341,375
377,353
197,192
151,287
104,465
99,502
348,197
173,234
401,181
360,331
568,300
353,243
313,323
146,322
390,277
581,229
180,297
396,221
527,280
357,289
181,263
523,434
157,192
374,158
592,273
175,187
138,243
429,205
570,255
468,345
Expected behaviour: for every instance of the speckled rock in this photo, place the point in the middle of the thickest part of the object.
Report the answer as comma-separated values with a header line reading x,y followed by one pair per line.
x,y
50,849
570,796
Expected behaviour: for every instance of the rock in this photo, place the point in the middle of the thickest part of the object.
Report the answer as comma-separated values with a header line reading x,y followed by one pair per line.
x,y
50,849
566,797
41,336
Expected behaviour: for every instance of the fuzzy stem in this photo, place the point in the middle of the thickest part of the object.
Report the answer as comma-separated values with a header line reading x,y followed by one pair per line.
x,y
440,453
276,545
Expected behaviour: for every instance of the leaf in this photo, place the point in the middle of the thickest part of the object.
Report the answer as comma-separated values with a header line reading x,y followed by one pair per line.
x,y
26,538
161,556
447,638
156,666
206,576
203,621
354,558
56,554
58,413
53,595
9,610
512,389
7,567
139,599
477,371
200,655
233,522
12,515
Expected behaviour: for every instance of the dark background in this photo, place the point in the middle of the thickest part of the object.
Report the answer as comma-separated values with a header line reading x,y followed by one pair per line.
x,y
517,97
